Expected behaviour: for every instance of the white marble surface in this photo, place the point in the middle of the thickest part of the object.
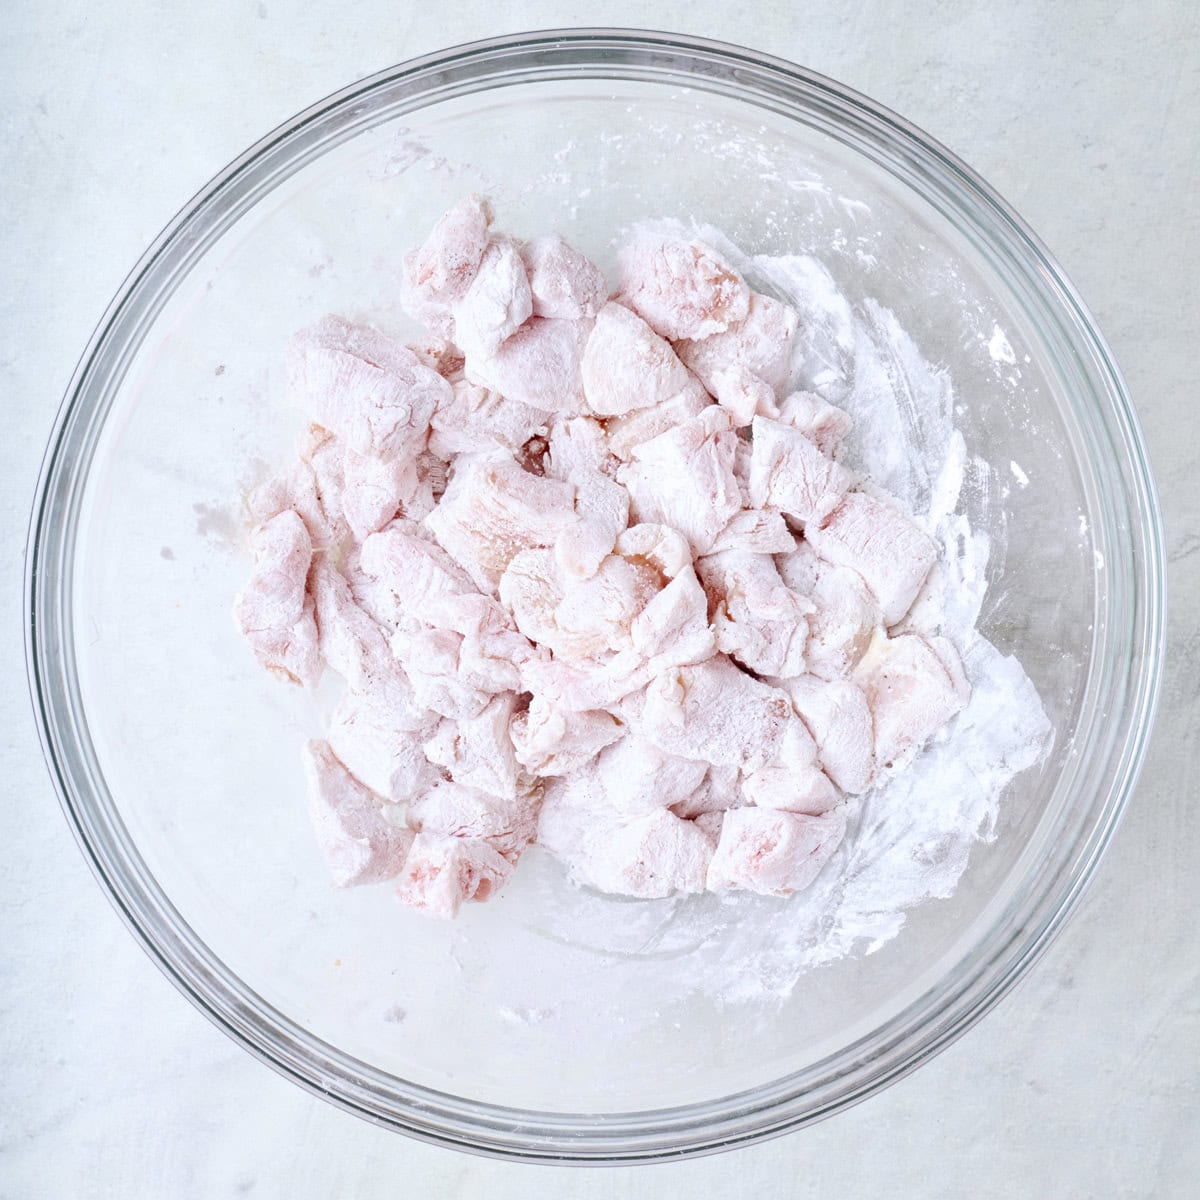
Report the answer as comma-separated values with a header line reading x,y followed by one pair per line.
x,y
1084,1081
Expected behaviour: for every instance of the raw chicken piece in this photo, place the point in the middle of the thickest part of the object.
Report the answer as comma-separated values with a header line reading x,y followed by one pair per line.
x,y
627,433
793,779
837,715
439,355
375,490
715,713
602,512
550,741
771,852
492,509
825,425
352,643
496,304
845,615
438,274
684,479
449,809
273,612
538,365
311,487
758,619
380,744
680,287
746,367
649,856
474,416
756,531
576,618
672,629
638,778
659,546
493,652
720,791
443,872
626,365
360,844
789,473
432,660
375,395
416,571
913,687
579,454
578,446
564,282
477,752
890,552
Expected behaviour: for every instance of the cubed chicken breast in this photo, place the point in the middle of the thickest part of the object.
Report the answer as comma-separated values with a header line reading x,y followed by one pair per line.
x,y
772,852
684,478
442,873
888,549
681,287
913,687
564,282
626,366
274,613
375,395
789,473
359,842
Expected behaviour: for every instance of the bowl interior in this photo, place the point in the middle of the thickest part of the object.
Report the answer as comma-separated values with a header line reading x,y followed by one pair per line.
x,y
550,998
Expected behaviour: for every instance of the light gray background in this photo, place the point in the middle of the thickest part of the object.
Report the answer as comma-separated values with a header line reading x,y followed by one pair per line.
x,y
1084,1081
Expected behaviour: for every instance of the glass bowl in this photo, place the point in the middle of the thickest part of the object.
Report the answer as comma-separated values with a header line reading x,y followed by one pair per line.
x,y
549,1024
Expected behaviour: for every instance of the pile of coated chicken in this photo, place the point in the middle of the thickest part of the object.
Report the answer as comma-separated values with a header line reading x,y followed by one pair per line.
x,y
593,579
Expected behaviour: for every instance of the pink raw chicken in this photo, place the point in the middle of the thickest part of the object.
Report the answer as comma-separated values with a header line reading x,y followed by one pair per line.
x,y
627,433
431,660
416,572
360,844
564,282
538,365
354,644
579,454
657,545
550,741
375,395
793,779
684,478
473,416
888,549
747,366
627,366
496,304
789,473
375,489
720,791
650,856
672,630
913,688
477,752
681,287
380,744
312,487
449,809
492,510
756,531
838,717
825,425
442,873
638,778
273,612
758,619
773,853
715,713
438,274
845,615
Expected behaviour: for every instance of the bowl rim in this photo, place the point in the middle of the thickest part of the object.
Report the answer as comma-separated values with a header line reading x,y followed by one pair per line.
x,y
494,1130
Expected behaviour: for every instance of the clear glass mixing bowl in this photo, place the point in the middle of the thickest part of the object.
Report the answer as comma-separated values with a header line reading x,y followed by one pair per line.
x,y
546,1025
